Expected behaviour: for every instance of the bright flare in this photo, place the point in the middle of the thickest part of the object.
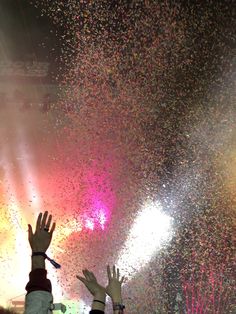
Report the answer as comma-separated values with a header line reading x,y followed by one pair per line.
x,y
150,229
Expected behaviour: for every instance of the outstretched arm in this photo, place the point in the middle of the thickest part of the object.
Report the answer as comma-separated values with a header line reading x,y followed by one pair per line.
x,y
98,292
113,289
39,296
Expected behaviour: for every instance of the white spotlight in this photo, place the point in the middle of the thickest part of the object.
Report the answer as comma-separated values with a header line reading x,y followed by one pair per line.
x,y
151,228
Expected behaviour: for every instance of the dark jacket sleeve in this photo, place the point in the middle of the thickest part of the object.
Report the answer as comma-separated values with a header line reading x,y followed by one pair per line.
x,y
96,312
38,281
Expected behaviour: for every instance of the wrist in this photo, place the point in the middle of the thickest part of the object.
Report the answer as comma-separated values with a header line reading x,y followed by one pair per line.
x,y
44,255
118,307
38,254
99,300
101,296
38,258
38,250
117,299
38,262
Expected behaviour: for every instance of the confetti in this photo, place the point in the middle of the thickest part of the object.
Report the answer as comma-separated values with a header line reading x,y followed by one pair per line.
x,y
145,115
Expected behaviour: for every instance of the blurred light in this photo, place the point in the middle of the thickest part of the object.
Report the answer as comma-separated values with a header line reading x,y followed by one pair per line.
x,y
97,216
53,276
102,218
74,307
100,211
28,175
151,228
63,231
89,224
84,308
17,239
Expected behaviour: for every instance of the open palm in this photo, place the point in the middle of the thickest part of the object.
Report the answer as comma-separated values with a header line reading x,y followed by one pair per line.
x,y
91,283
113,288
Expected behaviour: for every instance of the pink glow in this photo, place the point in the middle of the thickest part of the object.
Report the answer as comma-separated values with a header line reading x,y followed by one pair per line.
x,y
97,217
89,224
204,294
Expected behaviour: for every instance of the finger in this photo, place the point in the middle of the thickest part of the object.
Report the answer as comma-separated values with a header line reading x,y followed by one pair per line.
x,y
122,280
47,226
53,228
93,276
114,271
118,273
38,223
30,231
81,279
86,274
109,272
45,215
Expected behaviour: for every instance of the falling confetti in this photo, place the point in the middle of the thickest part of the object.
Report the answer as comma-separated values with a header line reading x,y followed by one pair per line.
x,y
146,114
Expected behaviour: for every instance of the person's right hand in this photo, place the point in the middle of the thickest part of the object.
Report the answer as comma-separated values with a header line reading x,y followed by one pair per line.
x,y
91,283
113,288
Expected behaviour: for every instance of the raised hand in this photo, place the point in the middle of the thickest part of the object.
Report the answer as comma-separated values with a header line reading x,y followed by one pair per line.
x,y
90,281
41,239
113,288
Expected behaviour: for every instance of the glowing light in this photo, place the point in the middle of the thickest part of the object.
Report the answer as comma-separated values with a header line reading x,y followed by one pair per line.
x,y
17,244
150,229
98,216
74,307
102,219
100,211
63,231
84,308
28,175
22,251
89,224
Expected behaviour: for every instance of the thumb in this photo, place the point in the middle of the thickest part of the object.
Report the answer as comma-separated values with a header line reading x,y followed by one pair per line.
x,y
81,279
108,291
122,280
30,231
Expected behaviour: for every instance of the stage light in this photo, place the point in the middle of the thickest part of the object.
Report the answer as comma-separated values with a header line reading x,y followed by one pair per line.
x,y
102,219
89,224
28,175
97,218
151,229
17,250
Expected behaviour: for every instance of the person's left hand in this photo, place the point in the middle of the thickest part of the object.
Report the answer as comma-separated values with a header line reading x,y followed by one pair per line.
x,y
41,239
91,283
113,288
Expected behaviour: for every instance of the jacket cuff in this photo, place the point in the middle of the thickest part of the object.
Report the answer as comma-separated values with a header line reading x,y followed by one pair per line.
x,y
38,281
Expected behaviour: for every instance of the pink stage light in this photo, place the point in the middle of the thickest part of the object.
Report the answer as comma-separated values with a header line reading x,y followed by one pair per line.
x,y
102,219
97,220
89,224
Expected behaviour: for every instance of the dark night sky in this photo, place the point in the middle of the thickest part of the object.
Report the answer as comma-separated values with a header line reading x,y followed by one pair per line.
x,y
27,35
24,30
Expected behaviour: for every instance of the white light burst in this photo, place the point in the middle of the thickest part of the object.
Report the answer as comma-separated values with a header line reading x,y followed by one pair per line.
x,y
151,228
